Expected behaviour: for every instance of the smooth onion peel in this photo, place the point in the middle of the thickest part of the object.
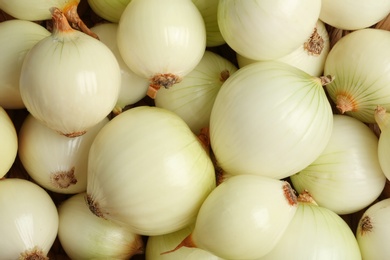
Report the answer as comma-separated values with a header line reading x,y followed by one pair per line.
x,y
9,143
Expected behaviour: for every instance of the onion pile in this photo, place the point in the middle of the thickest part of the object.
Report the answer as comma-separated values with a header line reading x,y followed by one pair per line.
x,y
194,129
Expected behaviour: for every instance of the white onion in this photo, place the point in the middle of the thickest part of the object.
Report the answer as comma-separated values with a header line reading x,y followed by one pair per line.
x,y
270,119
316,232
373,231
17,37
209,11
38,10
347,176
65,84
243,218
353,14
28,220
265,30
362,77
9,143
382,118
193,98
54,161
85,236
133,87
309,57
160,43
111,10
147,170
156,245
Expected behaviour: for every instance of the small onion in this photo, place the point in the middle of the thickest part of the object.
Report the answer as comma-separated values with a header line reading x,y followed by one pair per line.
x,y
382,118
111,10
65,84
309,57
9,143
85,236
353,15
317,233
270,119
347,176
209,11
148,170
160,43
243,218
373,231
17,37
28,220
193,98
133,87
265,30
54,161
156,245
359,62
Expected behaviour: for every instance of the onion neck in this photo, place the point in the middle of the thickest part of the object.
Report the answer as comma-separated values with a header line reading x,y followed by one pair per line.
x,y
60,23
382,118
305,197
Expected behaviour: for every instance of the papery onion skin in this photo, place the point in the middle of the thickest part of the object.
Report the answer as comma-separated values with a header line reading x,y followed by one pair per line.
x,y
111,10
243,217
164,47
353,15
382,118
55,162
9,143
359,62
193,98
70,88
269,119
373,231
28,219
85,236
17,37
347,176
266,30
317,233
147,170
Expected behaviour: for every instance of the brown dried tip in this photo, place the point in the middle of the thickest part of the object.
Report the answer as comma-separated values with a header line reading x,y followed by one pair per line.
x,y
74,134
63,179
187,242
225,74
75,21
325,80
33,254
60,23
315,44
365,225
289,194
161,80
204,138
94,207
345,103
305,197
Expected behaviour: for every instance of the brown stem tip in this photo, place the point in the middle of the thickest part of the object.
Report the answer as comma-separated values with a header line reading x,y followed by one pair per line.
x,y
187,242
161,80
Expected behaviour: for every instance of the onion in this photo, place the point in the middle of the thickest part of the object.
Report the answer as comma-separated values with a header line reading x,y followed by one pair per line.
x,y
17,37
347,176
66,170
156,245
353,15
148,171
65,84
382,118
362,77
309,57
9,143
193,98
85,236
265,30
270,119
209,11
111,10
243,218
316,232
133,87
165,46
28,220
38,10
373,231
